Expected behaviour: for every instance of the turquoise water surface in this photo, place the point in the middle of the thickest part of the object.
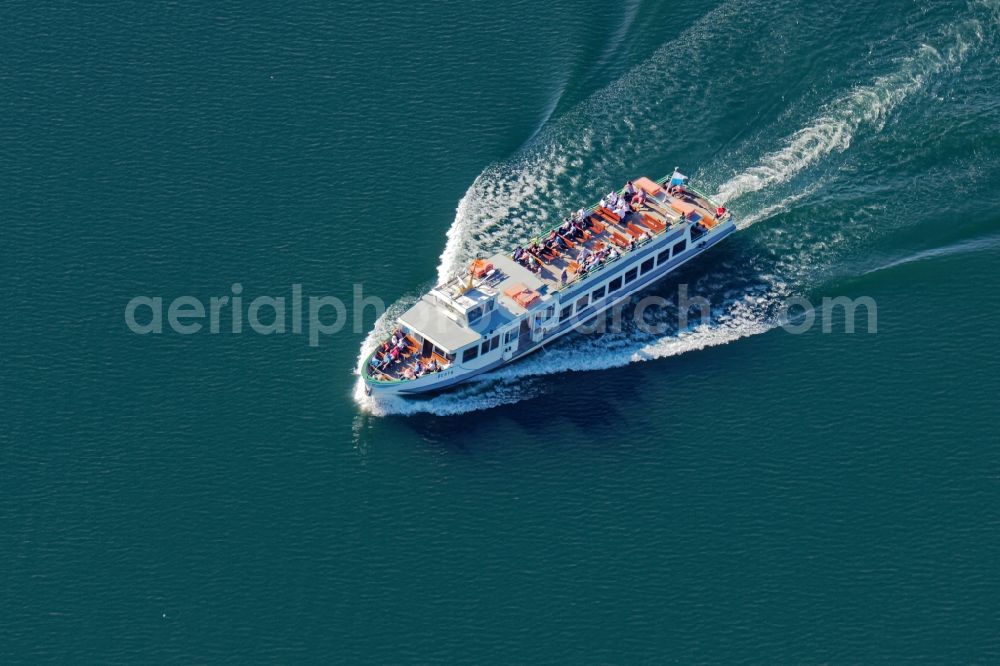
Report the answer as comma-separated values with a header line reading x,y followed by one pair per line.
x,y
723,492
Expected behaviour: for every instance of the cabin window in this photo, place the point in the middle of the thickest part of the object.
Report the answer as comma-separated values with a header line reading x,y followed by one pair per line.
x,y
509,336
598,293
566,312
449,357
485,347
615,284
582,303
646,266
631,274
662,257
495,342
680,247
470,353
475,314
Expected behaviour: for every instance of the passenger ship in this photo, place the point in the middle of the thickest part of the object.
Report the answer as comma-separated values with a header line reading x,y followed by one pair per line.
x,y
503,309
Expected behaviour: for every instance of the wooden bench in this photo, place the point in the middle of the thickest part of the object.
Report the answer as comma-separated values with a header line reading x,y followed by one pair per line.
x,y
653,223
412,345
647,186
620,240
608,215
683,206
634,231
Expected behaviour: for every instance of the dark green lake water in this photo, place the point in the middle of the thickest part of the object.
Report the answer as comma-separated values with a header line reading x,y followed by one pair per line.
x,y
730,492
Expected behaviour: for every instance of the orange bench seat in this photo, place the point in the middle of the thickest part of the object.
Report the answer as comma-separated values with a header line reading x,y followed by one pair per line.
x,y
653,223
619,240
682,206
648,186
609,215
634,231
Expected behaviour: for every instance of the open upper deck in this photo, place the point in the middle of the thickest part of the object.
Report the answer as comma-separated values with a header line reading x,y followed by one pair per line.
x,y
502,288
609,235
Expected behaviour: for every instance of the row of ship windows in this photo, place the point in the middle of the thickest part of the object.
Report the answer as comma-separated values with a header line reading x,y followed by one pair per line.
x,y
630,276
616,284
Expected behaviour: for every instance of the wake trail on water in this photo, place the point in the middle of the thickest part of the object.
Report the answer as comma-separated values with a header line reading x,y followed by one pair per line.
x,y
988,243
510,202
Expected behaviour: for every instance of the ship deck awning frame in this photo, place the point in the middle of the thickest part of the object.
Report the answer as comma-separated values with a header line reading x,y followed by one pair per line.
x,y
428,321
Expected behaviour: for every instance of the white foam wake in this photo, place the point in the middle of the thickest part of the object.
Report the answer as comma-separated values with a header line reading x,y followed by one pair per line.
x,y
971,246
509,202
837,124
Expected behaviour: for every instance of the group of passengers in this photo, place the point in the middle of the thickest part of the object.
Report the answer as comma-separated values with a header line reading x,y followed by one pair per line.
x,y
393,352
559,240
631,199
575,229
618,204
588,260
419,370
528,258
575,226
676,190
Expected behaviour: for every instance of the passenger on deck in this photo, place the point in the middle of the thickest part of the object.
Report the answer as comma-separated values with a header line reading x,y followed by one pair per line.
x,y
537,252
639,200
433,365
555,242
533,265
629,191
408,373
518,255
564,276
622,209
582,256
720,212
613,253
394,354
418,370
